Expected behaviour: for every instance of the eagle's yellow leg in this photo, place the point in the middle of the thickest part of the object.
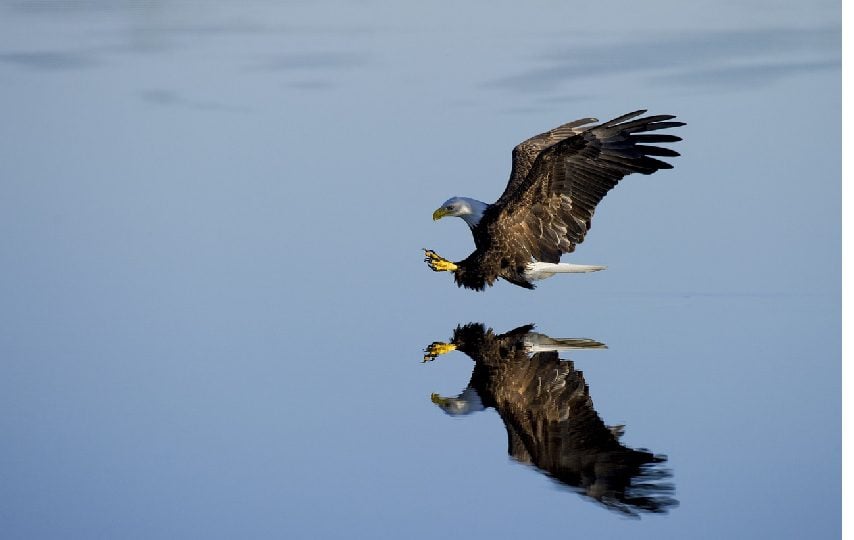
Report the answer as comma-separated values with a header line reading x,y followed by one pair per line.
x,y
438,263
437,348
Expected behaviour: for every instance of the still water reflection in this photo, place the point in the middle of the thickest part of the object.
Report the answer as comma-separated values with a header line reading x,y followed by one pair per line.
x,y
551,423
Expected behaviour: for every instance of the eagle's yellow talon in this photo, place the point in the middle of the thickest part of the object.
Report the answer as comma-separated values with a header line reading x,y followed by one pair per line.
x,y
437,348
438,263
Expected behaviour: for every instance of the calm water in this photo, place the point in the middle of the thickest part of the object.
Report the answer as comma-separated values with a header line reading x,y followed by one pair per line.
x,y
214,305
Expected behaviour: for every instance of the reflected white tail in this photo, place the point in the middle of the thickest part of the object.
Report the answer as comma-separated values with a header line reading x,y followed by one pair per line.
x,y
535,342
543,270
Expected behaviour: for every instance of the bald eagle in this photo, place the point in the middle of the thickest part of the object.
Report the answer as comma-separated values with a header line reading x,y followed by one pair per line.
x,y
551,424
556,181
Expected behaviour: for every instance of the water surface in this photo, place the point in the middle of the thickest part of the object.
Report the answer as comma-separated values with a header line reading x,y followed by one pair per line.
x,y
214,303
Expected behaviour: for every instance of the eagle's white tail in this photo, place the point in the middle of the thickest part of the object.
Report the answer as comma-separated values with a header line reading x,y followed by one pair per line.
x,y
543,270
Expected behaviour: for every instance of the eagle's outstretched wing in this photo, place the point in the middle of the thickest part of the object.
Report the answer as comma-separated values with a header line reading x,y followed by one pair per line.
x,y
549,211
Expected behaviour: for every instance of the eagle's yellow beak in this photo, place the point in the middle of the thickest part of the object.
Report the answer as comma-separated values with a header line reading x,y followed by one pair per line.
x,y
440,213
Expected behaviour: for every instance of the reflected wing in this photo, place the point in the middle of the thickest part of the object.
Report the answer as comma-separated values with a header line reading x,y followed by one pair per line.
x,y
549,211
552,424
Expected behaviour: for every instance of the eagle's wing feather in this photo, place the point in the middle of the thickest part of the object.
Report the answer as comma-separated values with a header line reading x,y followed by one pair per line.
x,y
526,152
549,212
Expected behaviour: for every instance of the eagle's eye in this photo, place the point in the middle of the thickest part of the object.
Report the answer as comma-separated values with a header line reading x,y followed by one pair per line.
x,y
449,208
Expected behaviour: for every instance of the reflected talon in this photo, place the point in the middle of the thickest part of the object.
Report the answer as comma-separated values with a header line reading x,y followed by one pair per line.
x,y
438,400
437,263
437,348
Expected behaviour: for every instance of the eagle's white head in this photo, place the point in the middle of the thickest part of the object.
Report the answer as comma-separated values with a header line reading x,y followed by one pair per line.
x,y
470,210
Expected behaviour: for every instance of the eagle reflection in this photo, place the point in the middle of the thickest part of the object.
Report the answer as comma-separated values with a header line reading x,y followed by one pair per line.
x,y
551,423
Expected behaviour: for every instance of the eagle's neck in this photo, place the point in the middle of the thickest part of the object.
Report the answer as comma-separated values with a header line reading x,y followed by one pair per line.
x,y
477,210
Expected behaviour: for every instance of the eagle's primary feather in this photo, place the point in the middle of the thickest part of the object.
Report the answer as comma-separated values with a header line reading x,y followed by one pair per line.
x,y
556,181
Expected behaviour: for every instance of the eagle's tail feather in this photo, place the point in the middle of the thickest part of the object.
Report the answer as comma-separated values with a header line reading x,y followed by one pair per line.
x,y
543,270
570,268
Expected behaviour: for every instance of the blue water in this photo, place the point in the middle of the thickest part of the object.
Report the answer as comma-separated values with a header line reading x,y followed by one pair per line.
x,y
214,306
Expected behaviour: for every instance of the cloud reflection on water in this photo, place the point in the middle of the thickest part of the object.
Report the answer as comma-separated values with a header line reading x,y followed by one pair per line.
x,y
168,98
730,58
48,60
314,61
